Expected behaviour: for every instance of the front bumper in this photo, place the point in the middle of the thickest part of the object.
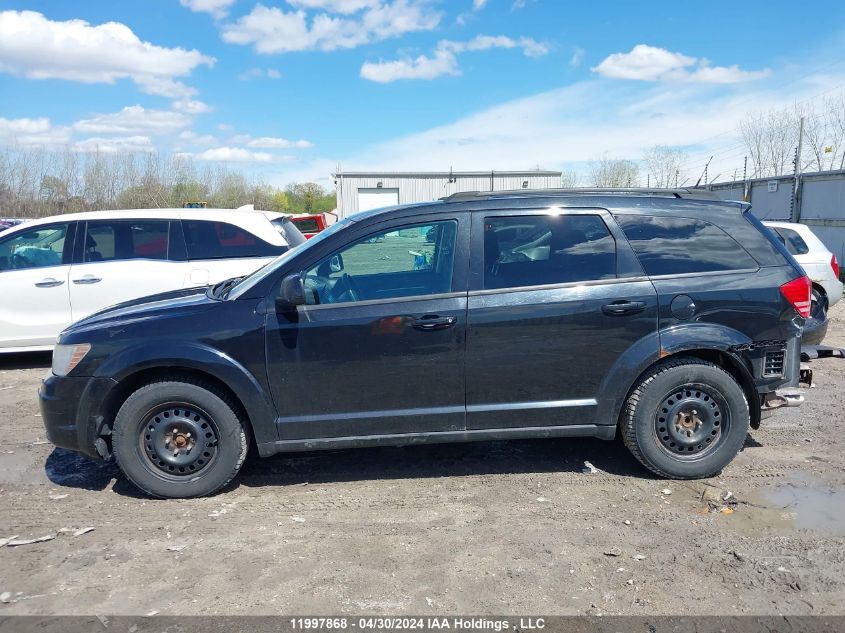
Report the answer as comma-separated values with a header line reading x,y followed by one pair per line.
x,y
70,408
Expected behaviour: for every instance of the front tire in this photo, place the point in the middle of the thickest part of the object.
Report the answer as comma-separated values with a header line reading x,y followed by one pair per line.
x,y
179,439
686,419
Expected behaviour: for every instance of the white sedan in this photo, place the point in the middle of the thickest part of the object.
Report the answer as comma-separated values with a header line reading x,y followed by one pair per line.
x,y
818,262
57,270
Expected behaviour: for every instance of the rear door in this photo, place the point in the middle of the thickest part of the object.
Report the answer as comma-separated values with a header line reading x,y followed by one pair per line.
x,y
120,260
555,299
34,269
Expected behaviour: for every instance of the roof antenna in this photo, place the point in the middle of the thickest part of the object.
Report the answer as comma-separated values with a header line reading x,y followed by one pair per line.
x,y
698,182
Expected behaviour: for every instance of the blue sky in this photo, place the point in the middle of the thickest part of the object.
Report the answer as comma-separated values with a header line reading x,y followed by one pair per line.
x,y
292,89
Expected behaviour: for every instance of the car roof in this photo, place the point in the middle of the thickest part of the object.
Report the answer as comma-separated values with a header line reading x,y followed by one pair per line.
x,y
230,215
670,201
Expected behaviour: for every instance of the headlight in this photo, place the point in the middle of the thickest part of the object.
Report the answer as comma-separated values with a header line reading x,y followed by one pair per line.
x,y
66,357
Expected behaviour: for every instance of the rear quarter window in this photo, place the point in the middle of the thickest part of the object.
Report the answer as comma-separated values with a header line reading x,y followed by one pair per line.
x,y
794,243
676,246
220,240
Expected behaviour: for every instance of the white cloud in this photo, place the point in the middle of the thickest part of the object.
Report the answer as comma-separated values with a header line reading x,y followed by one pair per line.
x,y
217,8
134,120
335,6
272,142
234,155
272,30
260,73
422,67
650,63
529,46
35,47
577,57
24,126
444,61
191,106
477,5
192,138
115,145
29,132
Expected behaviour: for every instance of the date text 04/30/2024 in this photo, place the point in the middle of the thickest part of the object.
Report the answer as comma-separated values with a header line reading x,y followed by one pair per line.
x,y
416,623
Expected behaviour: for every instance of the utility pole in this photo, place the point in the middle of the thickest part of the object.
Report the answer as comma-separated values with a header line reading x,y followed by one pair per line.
x,y
795,211
745,169
648,181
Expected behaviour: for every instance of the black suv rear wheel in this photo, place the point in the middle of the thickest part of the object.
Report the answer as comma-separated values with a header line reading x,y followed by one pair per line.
x,y
686,419
177,439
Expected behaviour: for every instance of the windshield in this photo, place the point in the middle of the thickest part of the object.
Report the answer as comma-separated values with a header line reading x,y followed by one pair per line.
x,y
265,271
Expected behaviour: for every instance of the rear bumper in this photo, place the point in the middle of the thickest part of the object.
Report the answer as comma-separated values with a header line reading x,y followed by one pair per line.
x,y
814,331
70,410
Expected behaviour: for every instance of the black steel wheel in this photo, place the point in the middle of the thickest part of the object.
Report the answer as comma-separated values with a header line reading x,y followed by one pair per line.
x,y
692,421
685,418
179,438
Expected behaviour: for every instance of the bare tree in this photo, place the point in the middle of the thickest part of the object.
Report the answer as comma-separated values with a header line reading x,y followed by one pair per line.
x,y
568,179
37,182
665,165
614,172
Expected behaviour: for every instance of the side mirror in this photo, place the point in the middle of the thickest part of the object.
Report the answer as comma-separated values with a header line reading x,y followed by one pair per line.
x,y
292,291
336,263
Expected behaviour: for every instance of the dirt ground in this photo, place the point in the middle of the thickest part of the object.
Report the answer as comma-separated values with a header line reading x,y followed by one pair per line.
x,y
488,528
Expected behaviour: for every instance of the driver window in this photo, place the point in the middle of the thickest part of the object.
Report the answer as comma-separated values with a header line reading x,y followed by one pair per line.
x,y
406,261
36,248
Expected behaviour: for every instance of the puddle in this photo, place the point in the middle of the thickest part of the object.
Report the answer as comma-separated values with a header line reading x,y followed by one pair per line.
x,y
808,505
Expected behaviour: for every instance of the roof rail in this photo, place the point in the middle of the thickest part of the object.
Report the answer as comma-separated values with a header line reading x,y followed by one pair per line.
x,y
693,194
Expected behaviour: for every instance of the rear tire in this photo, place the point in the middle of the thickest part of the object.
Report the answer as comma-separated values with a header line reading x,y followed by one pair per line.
x,y
179,439
686,419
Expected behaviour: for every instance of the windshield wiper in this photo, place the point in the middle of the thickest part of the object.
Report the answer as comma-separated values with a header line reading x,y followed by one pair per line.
x,y
221,290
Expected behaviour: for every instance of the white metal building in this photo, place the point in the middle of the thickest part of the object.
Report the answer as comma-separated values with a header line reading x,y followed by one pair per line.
x,y
362,191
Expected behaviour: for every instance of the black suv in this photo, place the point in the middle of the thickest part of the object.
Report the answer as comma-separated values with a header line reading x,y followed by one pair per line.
x,y
666,315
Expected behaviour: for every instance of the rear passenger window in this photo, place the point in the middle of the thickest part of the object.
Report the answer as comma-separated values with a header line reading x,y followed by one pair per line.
x,y
794,243
533,250
220,240
674,246
121,240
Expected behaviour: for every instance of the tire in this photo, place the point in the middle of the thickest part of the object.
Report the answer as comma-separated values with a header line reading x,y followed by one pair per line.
x,y
178,439
818,304
690,437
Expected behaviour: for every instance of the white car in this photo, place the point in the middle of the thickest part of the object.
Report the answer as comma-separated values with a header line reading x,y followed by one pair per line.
x,y
57,270
818,262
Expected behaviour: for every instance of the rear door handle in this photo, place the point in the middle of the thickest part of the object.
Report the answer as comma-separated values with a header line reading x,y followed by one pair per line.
x,y
622,308
87,280
433,322
49,282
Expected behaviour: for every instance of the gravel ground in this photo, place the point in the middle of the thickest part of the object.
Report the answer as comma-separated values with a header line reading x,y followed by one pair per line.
x,y
488,528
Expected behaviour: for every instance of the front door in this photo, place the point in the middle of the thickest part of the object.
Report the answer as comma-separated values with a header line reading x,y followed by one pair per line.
x,y
379,347
34,300
551,309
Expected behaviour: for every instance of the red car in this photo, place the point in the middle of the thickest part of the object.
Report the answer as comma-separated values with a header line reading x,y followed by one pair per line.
x,y
309,225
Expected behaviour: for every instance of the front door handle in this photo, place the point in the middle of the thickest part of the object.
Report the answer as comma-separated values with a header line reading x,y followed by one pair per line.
x,y
87,280
431,322
622,308
49,282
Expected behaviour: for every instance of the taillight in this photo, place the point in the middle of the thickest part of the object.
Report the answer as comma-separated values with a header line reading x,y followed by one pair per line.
x,y
835,265
799,293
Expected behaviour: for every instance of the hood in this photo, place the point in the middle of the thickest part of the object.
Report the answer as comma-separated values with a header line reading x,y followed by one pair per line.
x,y
167,303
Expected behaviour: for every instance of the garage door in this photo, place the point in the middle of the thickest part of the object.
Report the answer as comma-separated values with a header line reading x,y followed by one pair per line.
x,y
377,198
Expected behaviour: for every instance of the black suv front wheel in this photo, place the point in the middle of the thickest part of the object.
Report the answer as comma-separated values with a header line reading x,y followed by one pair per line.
x,y
176,439
686,419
